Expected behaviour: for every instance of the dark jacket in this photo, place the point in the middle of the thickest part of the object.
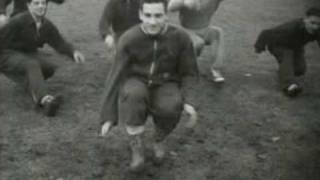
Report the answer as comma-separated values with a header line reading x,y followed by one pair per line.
x,y
21,34
292,35
170,54
19,5
118,16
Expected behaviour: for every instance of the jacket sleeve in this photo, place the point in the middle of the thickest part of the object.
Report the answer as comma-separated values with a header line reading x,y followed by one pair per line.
x,y
57,42
9,32
109,111
188,68
105,24
175,5
262,41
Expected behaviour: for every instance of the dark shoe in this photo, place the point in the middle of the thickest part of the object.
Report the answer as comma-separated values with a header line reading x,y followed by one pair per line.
x,y
293,90
51,107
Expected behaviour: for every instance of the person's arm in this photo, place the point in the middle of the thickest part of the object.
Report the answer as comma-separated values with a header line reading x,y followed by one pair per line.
x,y
9,32
109,111
105,24
57,1
175,5
188,68
262,41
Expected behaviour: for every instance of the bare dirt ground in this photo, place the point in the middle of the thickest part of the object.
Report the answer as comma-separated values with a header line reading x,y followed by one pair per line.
x,y
248,130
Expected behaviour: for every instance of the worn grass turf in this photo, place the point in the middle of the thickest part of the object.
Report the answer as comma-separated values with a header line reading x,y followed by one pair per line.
x,y
247,130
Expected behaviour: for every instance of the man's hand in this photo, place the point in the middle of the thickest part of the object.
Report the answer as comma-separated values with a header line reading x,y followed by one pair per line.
x,y
78,57
3,20
109,41
192,4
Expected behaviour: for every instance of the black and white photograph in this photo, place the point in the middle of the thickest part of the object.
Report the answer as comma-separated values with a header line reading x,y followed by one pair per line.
x,y
159,89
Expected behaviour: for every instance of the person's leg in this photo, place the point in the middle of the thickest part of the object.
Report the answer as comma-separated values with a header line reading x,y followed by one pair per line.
x,y
285,58
214,38
47,68
133,102
166,109
198,42
27,70
300,66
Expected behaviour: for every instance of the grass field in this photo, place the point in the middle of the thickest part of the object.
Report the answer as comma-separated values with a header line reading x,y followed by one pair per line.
x,y
247,129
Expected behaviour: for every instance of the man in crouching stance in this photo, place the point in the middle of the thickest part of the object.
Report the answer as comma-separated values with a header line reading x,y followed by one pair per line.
x,y
286,43
19,6
19,58
154,61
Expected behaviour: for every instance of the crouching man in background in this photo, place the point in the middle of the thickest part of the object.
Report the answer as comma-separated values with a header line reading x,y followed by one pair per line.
x,y
154,63
286,43
18,7
20,39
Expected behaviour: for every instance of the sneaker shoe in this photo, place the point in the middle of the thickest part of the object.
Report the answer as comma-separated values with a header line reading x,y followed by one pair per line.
x,y
51,105
217,76
293,90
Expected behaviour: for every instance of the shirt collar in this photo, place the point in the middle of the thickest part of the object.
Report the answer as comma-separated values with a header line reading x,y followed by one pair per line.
x,y
31,20
163,31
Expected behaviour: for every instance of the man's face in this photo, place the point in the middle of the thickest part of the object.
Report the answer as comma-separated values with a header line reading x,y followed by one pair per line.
x,y
153,17
38,7
312,23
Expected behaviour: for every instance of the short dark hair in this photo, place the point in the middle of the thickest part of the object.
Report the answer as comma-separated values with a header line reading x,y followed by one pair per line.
x,y
313,12
164,2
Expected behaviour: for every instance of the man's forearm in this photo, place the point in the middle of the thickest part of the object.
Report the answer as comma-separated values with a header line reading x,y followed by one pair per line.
x,y
175,5
105,21
57,1
187,87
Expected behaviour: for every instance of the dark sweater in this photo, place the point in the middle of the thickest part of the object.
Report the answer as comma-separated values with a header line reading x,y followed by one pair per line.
x,y
21,34
292,35
170,54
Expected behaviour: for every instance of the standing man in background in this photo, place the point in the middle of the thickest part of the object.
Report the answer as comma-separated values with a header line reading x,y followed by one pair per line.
x,y
195,16
117,17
